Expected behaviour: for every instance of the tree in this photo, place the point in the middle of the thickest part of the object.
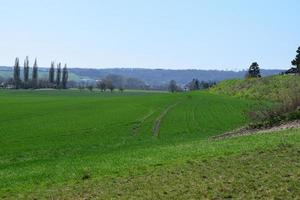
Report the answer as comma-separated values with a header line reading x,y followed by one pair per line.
x,y
197,84
65,77
172,86
81,86
296,61
194,85
206,85
109,84
90,87
101,85
254,71
35,75
51,74
17,80
134,83
117,80
58,75
26,72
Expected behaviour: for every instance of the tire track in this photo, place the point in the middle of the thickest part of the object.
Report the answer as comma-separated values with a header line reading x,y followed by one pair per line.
x,y
158,120
138,123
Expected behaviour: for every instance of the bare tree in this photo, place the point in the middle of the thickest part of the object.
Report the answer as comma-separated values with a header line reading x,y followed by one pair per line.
x,y
109,84
101,85
172,86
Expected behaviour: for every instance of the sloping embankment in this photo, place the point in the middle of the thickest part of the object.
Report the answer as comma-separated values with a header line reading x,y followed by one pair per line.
x,y
246,131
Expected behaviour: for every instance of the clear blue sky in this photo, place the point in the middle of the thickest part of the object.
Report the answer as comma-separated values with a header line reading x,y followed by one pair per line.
x,y
175,34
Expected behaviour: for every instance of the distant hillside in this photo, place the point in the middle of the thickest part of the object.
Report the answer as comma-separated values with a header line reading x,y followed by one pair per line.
x,y
277,88
163,76
151,76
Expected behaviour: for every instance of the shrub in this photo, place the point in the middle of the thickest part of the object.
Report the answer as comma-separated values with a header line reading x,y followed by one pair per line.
x,y
289,109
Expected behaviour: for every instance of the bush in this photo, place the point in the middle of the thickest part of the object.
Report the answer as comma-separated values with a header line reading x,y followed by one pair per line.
x,y
288,110
282,90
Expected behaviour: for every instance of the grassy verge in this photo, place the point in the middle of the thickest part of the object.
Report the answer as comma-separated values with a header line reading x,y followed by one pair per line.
x,y
258,166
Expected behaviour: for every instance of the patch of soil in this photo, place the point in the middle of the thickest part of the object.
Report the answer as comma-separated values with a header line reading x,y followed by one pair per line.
x,y
247,131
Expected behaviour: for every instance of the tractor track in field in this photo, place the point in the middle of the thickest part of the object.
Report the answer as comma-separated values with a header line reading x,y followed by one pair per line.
x,y
158,120
139,122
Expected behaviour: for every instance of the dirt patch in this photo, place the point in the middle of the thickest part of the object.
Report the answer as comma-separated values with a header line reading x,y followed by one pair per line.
x,y
247,131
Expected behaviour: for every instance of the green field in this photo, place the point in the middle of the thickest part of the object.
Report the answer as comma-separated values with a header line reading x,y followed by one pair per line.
x,y
80,144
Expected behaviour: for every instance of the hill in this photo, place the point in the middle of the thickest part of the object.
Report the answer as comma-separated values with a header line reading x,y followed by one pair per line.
x,y
163,76
273,88
152,77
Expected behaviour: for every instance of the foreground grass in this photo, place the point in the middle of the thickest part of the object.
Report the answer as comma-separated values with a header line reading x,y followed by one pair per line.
x,y
80,145
57,138
251,167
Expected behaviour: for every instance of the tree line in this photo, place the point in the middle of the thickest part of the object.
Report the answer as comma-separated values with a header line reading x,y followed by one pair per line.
x,y
58,78
195,84
112,82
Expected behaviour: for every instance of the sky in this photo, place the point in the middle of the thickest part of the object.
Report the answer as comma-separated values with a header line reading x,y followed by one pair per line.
x,y
172,34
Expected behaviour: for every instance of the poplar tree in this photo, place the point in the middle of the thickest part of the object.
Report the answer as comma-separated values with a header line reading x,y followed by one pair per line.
x,y
26,72
17,79
65,77
51,73
58,75
35,75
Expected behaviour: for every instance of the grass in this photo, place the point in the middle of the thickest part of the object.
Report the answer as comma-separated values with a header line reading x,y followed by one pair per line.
x,y
273,88
55,139
250,167
263,173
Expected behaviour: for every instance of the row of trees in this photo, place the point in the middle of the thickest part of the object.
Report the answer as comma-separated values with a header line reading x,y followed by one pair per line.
x,y
112,82
195,84
26,82
62,75
60,81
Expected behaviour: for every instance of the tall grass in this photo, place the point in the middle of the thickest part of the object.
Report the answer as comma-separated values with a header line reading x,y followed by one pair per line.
x,y
282,90
279,88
